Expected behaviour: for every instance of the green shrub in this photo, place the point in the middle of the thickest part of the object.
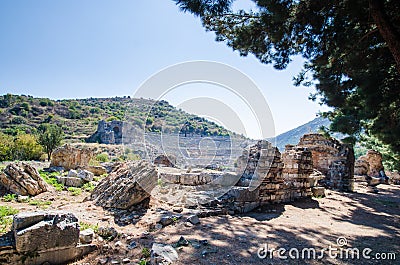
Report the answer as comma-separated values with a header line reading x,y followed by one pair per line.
x,y
6,142
112,118
40,203
103,157
142,262
145,252
26,147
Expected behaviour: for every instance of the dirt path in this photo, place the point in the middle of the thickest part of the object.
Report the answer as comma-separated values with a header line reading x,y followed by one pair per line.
x,y
363,219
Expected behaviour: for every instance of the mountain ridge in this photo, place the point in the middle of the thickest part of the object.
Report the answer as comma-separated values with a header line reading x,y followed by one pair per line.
x,y
293,136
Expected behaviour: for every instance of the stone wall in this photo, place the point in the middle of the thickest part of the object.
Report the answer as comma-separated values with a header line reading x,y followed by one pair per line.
x,y
279,178
108,132
298,166
333,158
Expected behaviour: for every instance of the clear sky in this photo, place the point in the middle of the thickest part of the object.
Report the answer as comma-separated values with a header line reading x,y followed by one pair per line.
x,y
102,48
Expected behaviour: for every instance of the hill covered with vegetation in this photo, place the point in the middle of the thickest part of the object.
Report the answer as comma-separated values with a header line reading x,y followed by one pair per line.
x,y
79,117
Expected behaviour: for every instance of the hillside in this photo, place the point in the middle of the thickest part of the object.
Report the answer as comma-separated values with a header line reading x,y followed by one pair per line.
x,y
293,136
79,117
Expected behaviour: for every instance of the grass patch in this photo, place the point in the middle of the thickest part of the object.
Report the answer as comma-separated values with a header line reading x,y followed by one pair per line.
x,y
142,262
75,191
50,178
145,252
160,183
9,197
6,220
84,226
39,203
89,186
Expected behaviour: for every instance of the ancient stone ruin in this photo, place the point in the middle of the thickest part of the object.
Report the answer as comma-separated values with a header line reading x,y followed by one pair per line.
x,y
128,185
108,132
332,158
263,176
43,238
70,157
369,164
298,171
369,168
22,179
279,178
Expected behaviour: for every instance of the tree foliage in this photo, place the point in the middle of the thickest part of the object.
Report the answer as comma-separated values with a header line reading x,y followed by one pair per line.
x,y
6,142
50,137
20,147
351,51
26,147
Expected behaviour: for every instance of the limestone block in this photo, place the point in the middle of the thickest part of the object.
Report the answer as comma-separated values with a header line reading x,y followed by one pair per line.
x,y
41,231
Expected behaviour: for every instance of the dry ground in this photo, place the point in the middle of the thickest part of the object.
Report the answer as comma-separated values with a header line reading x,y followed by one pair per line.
x,y
364,219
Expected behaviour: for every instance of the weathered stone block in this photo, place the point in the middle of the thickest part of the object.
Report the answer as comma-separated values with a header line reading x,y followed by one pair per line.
x,y
42,231
70,181
85,175
318,191
70,157
129,184
22,179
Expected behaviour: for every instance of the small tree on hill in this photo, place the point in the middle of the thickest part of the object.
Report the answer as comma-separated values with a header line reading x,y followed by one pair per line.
x,y
50,137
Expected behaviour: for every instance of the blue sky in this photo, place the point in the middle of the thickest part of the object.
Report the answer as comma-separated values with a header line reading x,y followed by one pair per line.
x,y
98,48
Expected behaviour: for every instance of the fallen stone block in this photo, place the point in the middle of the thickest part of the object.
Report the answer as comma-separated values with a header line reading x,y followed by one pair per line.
x,y
70,181
85,175
39,238
128,185
70,157
41,231
22,179
193,219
